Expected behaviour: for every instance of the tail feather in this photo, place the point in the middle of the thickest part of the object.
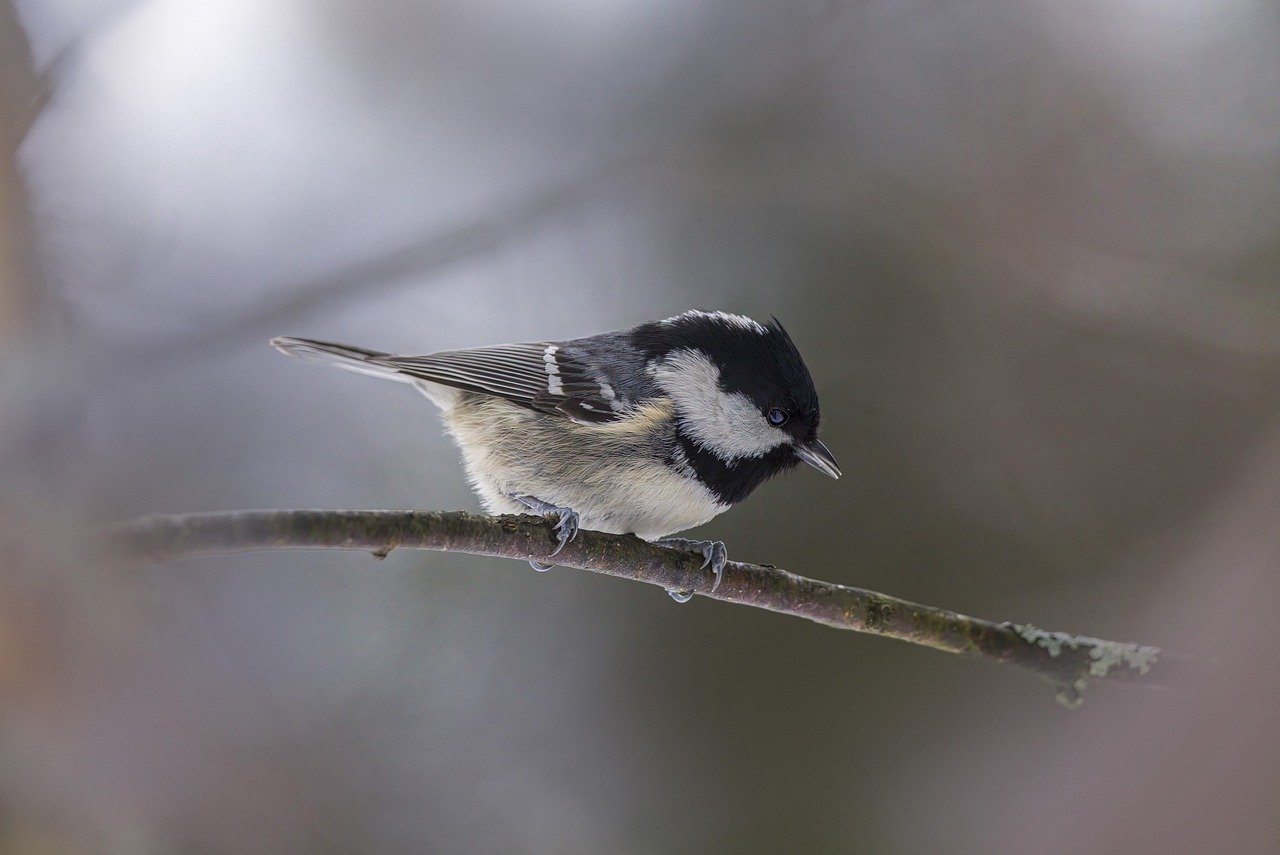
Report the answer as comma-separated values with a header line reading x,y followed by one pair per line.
x,y
357,359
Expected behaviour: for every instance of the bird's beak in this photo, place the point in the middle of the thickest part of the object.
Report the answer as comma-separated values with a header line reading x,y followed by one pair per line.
x,y
819,457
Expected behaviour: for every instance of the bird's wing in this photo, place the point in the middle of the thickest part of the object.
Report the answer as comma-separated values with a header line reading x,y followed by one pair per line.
x,y
551,377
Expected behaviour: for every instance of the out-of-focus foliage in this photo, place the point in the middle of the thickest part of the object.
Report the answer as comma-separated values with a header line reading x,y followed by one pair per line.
x,y
1029,250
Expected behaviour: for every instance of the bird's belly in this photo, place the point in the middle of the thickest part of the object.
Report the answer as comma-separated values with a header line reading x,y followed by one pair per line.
x,y
650,502
610,475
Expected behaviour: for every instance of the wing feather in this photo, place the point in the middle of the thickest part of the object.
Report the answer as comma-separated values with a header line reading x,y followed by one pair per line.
x,y
545,376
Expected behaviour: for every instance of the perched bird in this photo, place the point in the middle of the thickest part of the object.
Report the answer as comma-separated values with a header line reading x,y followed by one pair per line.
x,y
650,430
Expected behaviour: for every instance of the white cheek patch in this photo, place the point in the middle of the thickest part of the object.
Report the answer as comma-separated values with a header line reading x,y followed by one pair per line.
x,y
728,424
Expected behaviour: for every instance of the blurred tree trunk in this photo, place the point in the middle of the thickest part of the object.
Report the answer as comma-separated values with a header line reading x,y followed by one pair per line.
x,y
23,94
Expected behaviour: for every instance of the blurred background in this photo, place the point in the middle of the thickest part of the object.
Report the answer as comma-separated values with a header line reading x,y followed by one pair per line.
x,y
1030,250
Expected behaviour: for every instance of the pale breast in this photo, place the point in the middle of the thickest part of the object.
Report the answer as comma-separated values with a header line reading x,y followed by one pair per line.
x,y
612,474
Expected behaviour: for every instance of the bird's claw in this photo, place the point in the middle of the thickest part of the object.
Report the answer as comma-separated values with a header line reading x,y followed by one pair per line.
x,y
566,528
717,556
713,553
566,525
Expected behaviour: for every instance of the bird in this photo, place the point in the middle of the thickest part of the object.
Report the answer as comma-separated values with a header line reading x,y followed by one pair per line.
x,y
650,430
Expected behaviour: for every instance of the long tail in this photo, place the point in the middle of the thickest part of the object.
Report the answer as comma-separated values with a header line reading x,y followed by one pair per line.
x,y
356,359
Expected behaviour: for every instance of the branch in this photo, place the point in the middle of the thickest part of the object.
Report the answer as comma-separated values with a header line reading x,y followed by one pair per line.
x,y
1068,661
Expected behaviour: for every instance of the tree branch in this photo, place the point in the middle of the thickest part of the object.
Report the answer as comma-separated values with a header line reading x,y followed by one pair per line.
x,y
1068,661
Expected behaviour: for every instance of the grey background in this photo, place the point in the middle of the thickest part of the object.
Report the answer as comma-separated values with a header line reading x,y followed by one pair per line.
x,y
1029,251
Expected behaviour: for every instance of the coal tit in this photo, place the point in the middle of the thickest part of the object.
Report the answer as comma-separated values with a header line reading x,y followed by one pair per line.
x,y
650,430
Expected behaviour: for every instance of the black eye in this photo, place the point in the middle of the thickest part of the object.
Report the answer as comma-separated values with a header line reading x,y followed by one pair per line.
x,y
776,417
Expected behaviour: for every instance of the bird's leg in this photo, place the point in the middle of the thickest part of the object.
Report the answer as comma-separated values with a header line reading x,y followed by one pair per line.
x,y
566,524
712,552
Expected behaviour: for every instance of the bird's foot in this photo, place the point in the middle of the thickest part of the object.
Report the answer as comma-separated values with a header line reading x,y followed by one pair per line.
x,y
713,554
566,525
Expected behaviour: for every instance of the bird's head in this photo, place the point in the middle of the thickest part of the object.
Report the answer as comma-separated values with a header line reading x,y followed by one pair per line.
x,y
742,395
